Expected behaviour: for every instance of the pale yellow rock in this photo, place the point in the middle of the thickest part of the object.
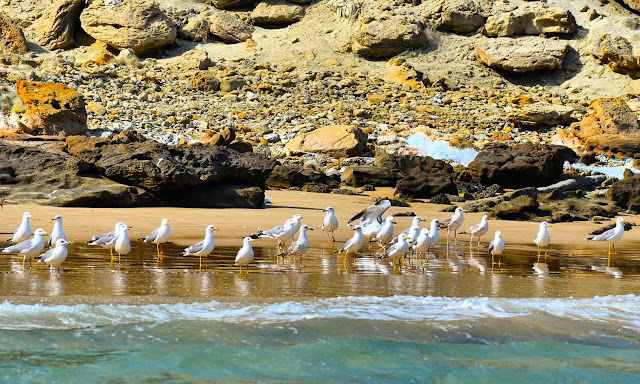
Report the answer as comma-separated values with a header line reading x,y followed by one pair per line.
x,y
336,140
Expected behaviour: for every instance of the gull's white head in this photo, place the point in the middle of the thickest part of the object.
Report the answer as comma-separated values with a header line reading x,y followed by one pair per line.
x,y
620,220
484,218
498,234
424,231
62,242
417,220
544,224
390,219
40,232
26,215
402,237
118,224
211,228
306,227
357,228
459,210
297,217
248,240
124,227
165,221
329,209
57,218
435,223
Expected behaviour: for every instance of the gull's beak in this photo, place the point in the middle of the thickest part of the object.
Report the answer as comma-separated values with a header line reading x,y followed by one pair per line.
x,y
394,222
549,225
623,219
46,233
311,229
216,229
422,220
129,227
53,219
500,235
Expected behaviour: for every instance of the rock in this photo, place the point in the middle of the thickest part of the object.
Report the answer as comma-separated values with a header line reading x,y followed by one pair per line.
x,y
316,188
522,54
196,29
633,4
531,21
626,193
224,138
135,24
383,36
618,52
190,60
361,175
541,114
335,140
96,108
276,12
426,183
55,29
11,37
461,21
515,208
205,82
520,165
52,109
440,199
230,28
229,4
232,84
286,176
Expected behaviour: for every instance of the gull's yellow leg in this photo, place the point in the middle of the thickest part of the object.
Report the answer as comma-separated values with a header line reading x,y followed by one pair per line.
x,y
24,258
345,258
538,254
200,261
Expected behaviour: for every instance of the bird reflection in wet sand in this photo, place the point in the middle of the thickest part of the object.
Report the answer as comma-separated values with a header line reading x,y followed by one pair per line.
x,y
476,262
615,272
541,268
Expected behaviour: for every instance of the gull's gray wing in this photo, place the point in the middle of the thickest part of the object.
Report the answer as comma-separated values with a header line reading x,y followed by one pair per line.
x,y
604,235
271,232
372,213
293,249
46,255
19,247
346,245
472,228
152,236
194,248
103,239
492,245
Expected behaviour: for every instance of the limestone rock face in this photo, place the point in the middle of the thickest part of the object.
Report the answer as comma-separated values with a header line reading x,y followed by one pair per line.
x,y
336,140
52,109
230,28
541,114
523,54
196,29
56,28
532,21
276,12
383,35
135,24
618,52
11,37
461,21
633,4
190,60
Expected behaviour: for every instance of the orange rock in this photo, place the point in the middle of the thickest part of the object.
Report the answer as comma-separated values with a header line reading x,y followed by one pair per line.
x,y
336,140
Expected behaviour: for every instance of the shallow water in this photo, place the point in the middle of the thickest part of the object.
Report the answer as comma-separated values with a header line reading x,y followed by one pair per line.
x,y
454,317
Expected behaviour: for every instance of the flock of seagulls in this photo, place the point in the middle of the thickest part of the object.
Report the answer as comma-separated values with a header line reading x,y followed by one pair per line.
x,y
413,240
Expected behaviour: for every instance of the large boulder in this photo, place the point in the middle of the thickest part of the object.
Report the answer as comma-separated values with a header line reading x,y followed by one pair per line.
x,y
461,16
541,114
287,176
516,208
335,140
626,193
56,28
135,24
633,4
230,28
383,35
617,52
52,109
11,37
531,21
520,165
276,12
611,128
522,54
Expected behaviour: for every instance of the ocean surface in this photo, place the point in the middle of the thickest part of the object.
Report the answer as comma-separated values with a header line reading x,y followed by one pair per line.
x,y
455,317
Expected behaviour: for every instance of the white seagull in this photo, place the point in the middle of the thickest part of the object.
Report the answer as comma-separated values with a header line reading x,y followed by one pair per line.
x,y
397,251
611,236
55,256
496,247
434,235
29,248
423,242
354,244
478,229
300,246
245,254
159,236
453,223
107,240
543,239
123,244
23,232
330,223
281,233
204,247
371,217
297,223
57,233
385,234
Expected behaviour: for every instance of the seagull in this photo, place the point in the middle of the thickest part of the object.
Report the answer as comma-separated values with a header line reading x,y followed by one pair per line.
x,y
423,242
123,244
543,239
397,251
478,229
371,217
354,244
433,233
107,240
57,233
330,223
245,254
56,255
453,223
611,236
23,232
385,234
280,233
159,236
496,247
30,247
203,248
412,232
296,223
300,246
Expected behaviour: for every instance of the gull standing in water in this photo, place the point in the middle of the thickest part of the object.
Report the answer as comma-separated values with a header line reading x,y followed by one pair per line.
x,y
123,244
543,239
412,233
478,229
371,217
496,247
203,248
354,244
159,236
30,247
423,242
434,235
107,240
397,251
330,223
300,246
385,234
55,256
280,233
245,254
23,232
611,236
453,223
57,233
